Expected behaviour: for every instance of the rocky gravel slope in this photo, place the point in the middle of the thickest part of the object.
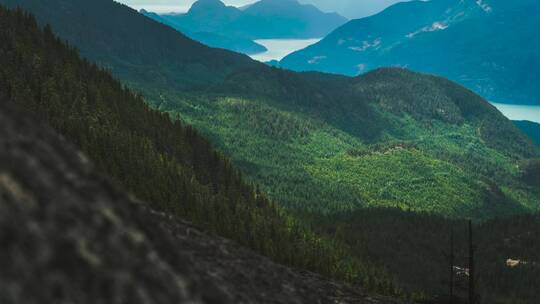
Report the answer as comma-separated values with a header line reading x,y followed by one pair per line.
x,y
68,235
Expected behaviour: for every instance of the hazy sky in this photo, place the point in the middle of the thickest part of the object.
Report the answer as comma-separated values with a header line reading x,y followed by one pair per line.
x,y
348,8
173,5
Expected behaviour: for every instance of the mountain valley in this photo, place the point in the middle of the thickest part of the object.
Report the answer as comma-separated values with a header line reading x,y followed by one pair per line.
x,y
360,179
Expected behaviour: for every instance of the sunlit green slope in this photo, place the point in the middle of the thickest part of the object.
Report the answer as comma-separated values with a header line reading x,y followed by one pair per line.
x,y
396,138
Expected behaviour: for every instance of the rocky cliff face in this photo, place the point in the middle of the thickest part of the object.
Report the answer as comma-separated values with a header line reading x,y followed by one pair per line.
x,y
68,235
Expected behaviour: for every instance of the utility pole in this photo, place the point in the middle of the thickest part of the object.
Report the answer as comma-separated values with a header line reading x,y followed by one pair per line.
x,y
451,300
472,294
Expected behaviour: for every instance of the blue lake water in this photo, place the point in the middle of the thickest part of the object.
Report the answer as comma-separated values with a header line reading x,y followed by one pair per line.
x,y
520,112
279,48
160,9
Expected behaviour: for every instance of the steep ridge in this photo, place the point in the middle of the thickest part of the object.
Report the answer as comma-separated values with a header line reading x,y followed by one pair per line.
x,y
488,46
132,47
68,234
163,162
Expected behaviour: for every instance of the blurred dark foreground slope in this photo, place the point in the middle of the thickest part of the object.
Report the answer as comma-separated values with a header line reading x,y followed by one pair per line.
x,y
69,236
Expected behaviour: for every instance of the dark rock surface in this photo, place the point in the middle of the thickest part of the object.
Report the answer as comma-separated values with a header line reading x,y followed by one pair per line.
x,y
68,235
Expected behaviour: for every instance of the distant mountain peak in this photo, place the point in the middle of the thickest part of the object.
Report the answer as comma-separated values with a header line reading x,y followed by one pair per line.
x,y
264,19
207,4
452,38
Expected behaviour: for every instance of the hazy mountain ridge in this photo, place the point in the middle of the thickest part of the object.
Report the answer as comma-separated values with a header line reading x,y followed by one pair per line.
x,y
212,39
450,38
352,9
265,19
270,19
234,28
132,47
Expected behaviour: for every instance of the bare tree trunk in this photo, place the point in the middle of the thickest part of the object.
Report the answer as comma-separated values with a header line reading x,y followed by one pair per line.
x,y
451,300
472,294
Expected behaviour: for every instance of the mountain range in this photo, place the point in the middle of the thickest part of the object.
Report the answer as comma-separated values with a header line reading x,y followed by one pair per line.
x,y
352,9
489,46
325,148
218,25
212,39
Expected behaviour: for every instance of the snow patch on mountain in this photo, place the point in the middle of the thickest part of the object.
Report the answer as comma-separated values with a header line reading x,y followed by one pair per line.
x,y
484,6
436,26
367,45
316,59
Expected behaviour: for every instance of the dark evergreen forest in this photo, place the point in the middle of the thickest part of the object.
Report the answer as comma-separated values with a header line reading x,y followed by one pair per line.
x,y
159,159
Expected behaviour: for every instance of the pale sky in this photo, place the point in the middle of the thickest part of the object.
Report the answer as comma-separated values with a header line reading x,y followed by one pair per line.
x,y
165,6
348,8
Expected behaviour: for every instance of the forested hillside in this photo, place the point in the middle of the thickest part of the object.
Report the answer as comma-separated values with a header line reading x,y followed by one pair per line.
x,y
323,146
388,138
415,249
69,235
159,160
131,46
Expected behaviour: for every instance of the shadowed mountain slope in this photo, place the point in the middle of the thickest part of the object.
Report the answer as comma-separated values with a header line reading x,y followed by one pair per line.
x,y
131,46
69,235
163,162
